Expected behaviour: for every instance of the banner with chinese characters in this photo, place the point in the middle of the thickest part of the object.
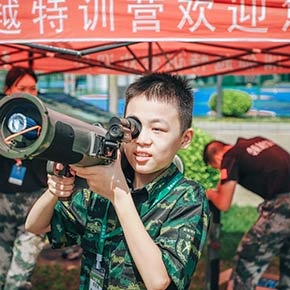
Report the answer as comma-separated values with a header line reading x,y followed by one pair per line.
x,y
197,37
144,20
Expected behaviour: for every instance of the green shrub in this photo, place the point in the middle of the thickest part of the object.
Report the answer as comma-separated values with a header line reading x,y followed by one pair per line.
x,y
235,103
194,166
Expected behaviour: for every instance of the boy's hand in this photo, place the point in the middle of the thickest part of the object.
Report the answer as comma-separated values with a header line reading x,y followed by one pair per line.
x,y
106,180
60,186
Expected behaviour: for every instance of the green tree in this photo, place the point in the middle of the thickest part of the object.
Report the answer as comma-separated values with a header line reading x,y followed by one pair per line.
x,y
235,103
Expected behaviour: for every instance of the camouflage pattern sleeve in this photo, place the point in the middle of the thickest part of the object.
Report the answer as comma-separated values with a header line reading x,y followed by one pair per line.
x,y
183,235
69,220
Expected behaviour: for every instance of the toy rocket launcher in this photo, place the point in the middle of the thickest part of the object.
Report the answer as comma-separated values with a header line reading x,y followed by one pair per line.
x,y
28,129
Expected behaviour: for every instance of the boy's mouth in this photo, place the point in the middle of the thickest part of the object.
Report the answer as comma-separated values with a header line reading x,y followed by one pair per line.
x,y
142,156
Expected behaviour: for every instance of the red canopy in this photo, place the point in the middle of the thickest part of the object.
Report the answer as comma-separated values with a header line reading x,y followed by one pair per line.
x,y
137,36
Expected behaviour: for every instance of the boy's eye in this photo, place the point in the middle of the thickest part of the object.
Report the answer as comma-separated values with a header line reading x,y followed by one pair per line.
x,y
158,129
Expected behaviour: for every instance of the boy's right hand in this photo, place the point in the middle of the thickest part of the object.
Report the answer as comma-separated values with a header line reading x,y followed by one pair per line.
x,y
106,180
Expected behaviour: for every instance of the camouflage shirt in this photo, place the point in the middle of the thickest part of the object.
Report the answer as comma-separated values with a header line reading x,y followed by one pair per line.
x,y
178,224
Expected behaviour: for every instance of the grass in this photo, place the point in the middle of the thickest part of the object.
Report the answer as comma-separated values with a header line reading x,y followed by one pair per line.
x,y
235,223
55,277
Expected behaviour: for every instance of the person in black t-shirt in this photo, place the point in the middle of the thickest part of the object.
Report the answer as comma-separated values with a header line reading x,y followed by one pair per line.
x,y
262,167
21,183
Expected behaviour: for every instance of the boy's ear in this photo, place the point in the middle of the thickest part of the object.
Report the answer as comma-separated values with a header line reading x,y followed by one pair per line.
x,y
187,138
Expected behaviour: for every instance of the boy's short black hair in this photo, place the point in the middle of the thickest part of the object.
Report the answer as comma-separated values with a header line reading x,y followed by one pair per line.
x,y
166,88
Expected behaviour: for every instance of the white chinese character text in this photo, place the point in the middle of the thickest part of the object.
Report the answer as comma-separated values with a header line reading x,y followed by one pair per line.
x,y
53,11
145,14
287,22
91,23
248,16
8,17
200,6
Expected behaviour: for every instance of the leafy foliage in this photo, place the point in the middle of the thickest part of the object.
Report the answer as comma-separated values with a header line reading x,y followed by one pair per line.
x,y
235,103
192,157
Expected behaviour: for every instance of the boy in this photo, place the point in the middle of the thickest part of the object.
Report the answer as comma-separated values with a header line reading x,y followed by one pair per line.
x,y
146,227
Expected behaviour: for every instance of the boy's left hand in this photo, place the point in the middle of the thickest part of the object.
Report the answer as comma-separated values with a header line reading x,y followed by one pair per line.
x,y
60,186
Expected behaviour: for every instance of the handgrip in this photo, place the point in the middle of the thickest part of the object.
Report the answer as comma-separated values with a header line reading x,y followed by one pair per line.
x,y
51,169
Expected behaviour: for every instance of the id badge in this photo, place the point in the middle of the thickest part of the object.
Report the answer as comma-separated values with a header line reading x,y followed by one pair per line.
x,y
97,279
17,174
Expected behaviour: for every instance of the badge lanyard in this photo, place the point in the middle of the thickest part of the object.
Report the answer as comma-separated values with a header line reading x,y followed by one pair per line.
x,y
143,212
97,274
17,173
103,236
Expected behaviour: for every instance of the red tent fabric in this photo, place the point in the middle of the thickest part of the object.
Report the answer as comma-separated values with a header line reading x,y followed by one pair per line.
x,y
197,37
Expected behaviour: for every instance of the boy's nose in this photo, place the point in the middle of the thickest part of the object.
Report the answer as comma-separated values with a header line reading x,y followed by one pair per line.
x,y
144,137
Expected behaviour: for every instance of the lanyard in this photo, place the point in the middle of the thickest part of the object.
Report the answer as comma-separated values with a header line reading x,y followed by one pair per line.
x,y
163,193
18,162
101,243
161,196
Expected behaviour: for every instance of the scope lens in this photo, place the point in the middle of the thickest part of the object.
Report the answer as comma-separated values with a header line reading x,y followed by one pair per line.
x,y
17,122
116,132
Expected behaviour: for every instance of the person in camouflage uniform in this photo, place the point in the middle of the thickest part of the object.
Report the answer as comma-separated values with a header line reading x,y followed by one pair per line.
x,y
263,167
18,254
147,225
19,249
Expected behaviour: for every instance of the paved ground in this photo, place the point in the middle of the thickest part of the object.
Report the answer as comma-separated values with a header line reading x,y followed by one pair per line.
x,y
229,132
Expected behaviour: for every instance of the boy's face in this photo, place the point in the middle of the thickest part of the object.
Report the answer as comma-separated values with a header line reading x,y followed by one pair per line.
x,y
160,138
